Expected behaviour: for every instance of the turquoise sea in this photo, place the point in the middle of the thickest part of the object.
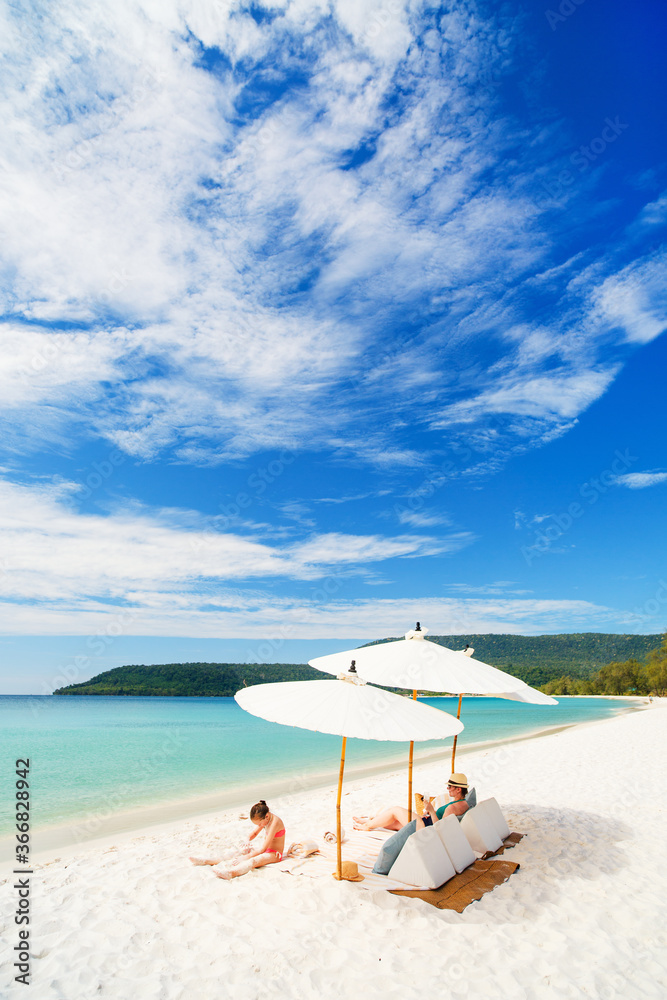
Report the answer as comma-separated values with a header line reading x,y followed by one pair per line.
x,y
96,756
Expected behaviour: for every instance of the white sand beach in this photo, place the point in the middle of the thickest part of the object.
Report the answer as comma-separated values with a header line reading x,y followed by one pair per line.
x,y
584,916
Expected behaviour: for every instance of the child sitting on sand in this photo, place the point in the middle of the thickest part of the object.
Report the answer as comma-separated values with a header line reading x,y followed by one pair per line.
x,y
270,851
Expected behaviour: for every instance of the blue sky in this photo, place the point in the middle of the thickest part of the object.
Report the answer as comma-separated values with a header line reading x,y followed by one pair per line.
x,y
319,319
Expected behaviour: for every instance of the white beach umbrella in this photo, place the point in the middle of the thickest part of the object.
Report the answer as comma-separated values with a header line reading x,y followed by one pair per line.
x,y
415,663
347,707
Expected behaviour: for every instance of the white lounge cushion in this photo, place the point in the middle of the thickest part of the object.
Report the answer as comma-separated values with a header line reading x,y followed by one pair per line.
x,y
491,809
456,843
423,860
480,831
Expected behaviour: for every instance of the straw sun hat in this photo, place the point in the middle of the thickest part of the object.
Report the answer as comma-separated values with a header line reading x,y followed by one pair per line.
x,y
349,872
459,780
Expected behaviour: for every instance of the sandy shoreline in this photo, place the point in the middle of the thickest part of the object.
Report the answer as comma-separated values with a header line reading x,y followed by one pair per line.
x,y
584,916
102,828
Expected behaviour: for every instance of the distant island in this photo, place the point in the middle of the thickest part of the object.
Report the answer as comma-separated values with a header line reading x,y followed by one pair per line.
x,y
206,680
577,663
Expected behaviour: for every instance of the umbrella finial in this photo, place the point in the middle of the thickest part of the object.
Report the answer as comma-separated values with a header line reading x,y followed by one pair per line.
x,y
417,632
352,677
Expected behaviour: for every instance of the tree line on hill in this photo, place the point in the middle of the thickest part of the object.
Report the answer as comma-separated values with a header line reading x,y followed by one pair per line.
x,y
620,677
538,659
185,680
581,663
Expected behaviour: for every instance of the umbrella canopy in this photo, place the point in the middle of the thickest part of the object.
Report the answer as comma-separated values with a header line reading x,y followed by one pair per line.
x,y
413,663
347,707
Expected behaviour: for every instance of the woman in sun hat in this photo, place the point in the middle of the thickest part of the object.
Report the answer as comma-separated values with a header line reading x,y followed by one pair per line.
x,y
396,817
457,789
457,806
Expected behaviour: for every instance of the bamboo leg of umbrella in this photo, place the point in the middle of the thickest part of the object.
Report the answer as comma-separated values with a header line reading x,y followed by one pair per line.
x,y
458,716
410,758
339,858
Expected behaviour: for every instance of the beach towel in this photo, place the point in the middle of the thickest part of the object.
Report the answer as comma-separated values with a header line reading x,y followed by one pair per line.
x,y
330,836
362,847
302,849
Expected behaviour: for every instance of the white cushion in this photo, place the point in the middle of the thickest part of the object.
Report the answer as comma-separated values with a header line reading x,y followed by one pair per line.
x,y
480,831
455,841
491,809
423,860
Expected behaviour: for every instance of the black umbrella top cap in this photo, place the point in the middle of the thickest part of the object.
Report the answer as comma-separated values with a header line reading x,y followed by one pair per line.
x,y
417,632
352,677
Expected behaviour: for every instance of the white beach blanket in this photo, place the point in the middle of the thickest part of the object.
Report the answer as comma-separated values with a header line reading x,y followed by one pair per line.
x,y
361,847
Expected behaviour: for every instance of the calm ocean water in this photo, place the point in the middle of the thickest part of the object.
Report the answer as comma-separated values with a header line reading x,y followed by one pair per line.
x,y
92,755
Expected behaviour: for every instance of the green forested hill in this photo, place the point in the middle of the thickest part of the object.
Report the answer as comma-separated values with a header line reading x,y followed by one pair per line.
x,y
535,659
187,679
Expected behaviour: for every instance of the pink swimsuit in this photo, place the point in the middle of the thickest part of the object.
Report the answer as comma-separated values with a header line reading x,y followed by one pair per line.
x,y
272,850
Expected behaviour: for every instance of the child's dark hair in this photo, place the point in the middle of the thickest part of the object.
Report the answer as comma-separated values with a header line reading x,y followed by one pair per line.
x,y
260,810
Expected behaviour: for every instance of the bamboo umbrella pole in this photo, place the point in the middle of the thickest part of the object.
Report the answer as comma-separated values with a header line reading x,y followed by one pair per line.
x,y
410,758
458,716
339,857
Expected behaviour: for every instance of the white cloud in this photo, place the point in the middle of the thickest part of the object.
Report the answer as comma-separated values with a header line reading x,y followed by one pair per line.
x,y
52,554
137,572
333,548
499,587
264,616
352,497
231,276
640,480
421,519
636,299
299,512
557,395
